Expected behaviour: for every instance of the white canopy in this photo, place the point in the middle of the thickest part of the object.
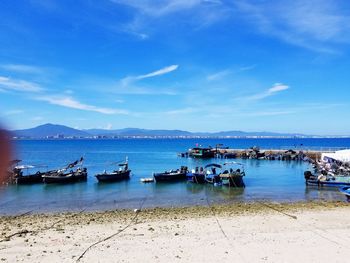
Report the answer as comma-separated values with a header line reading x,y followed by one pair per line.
x,y
342,155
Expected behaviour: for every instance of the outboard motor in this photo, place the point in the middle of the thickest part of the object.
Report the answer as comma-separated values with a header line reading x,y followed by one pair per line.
x,y
307,175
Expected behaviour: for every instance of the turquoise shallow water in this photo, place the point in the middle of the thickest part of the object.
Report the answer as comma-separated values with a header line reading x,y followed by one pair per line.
x,y
265,180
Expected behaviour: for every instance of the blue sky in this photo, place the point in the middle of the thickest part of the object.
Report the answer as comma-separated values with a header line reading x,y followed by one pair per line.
x,y
209,65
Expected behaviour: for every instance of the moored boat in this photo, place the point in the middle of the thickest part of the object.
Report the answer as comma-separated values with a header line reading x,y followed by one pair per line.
x,y
346,191
172,175
28,177
200,152
326,179
232,177
67,174
62,177
212,177
196,176
117,175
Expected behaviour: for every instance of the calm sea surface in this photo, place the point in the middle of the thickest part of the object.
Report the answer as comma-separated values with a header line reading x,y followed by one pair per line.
x,y
265,180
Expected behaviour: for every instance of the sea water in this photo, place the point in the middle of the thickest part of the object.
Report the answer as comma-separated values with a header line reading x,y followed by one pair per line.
x,y
281,181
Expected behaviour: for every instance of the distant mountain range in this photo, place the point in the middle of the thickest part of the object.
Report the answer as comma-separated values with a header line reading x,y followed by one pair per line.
x,y
60,131
50,130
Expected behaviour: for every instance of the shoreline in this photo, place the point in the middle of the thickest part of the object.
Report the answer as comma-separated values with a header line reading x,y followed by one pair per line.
x,y
225,232
239,207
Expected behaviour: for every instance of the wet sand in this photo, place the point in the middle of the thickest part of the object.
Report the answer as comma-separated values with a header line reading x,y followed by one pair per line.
x,y
240,232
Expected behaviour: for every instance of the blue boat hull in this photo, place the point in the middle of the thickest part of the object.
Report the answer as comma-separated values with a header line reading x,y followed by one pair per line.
x,y
346,191
196,178
326,183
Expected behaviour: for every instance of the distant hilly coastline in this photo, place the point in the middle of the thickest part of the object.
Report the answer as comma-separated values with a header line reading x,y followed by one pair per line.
x,y
60,131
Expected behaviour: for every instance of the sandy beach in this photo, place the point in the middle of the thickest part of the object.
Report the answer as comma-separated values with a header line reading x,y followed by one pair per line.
x,y
241,232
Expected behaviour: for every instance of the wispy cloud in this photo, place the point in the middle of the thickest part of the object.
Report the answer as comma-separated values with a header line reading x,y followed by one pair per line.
x,y
18,85
161,8
218,75
130,89
22,68
247,68
276,88
224,73
37,118
310,24
268,113
127,84
148,13
181,111
70,102
12,112
158,72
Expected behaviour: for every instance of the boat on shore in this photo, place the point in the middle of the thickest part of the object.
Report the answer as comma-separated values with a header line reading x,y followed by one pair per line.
x,y
172,175
123,173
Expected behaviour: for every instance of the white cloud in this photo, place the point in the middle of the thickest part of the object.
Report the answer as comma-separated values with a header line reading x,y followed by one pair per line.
x,y
22,68
277,87
268,113
150,16
70,102
18,85
128,88
218,75
247,68
37,118
313,24
181,111
158,72
159,8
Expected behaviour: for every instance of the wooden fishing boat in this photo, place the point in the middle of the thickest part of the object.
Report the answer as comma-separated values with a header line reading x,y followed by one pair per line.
x,y
62,177
232,177
346,191
27,177
172,175
196,176
117,175
203,153
113,176
326,180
